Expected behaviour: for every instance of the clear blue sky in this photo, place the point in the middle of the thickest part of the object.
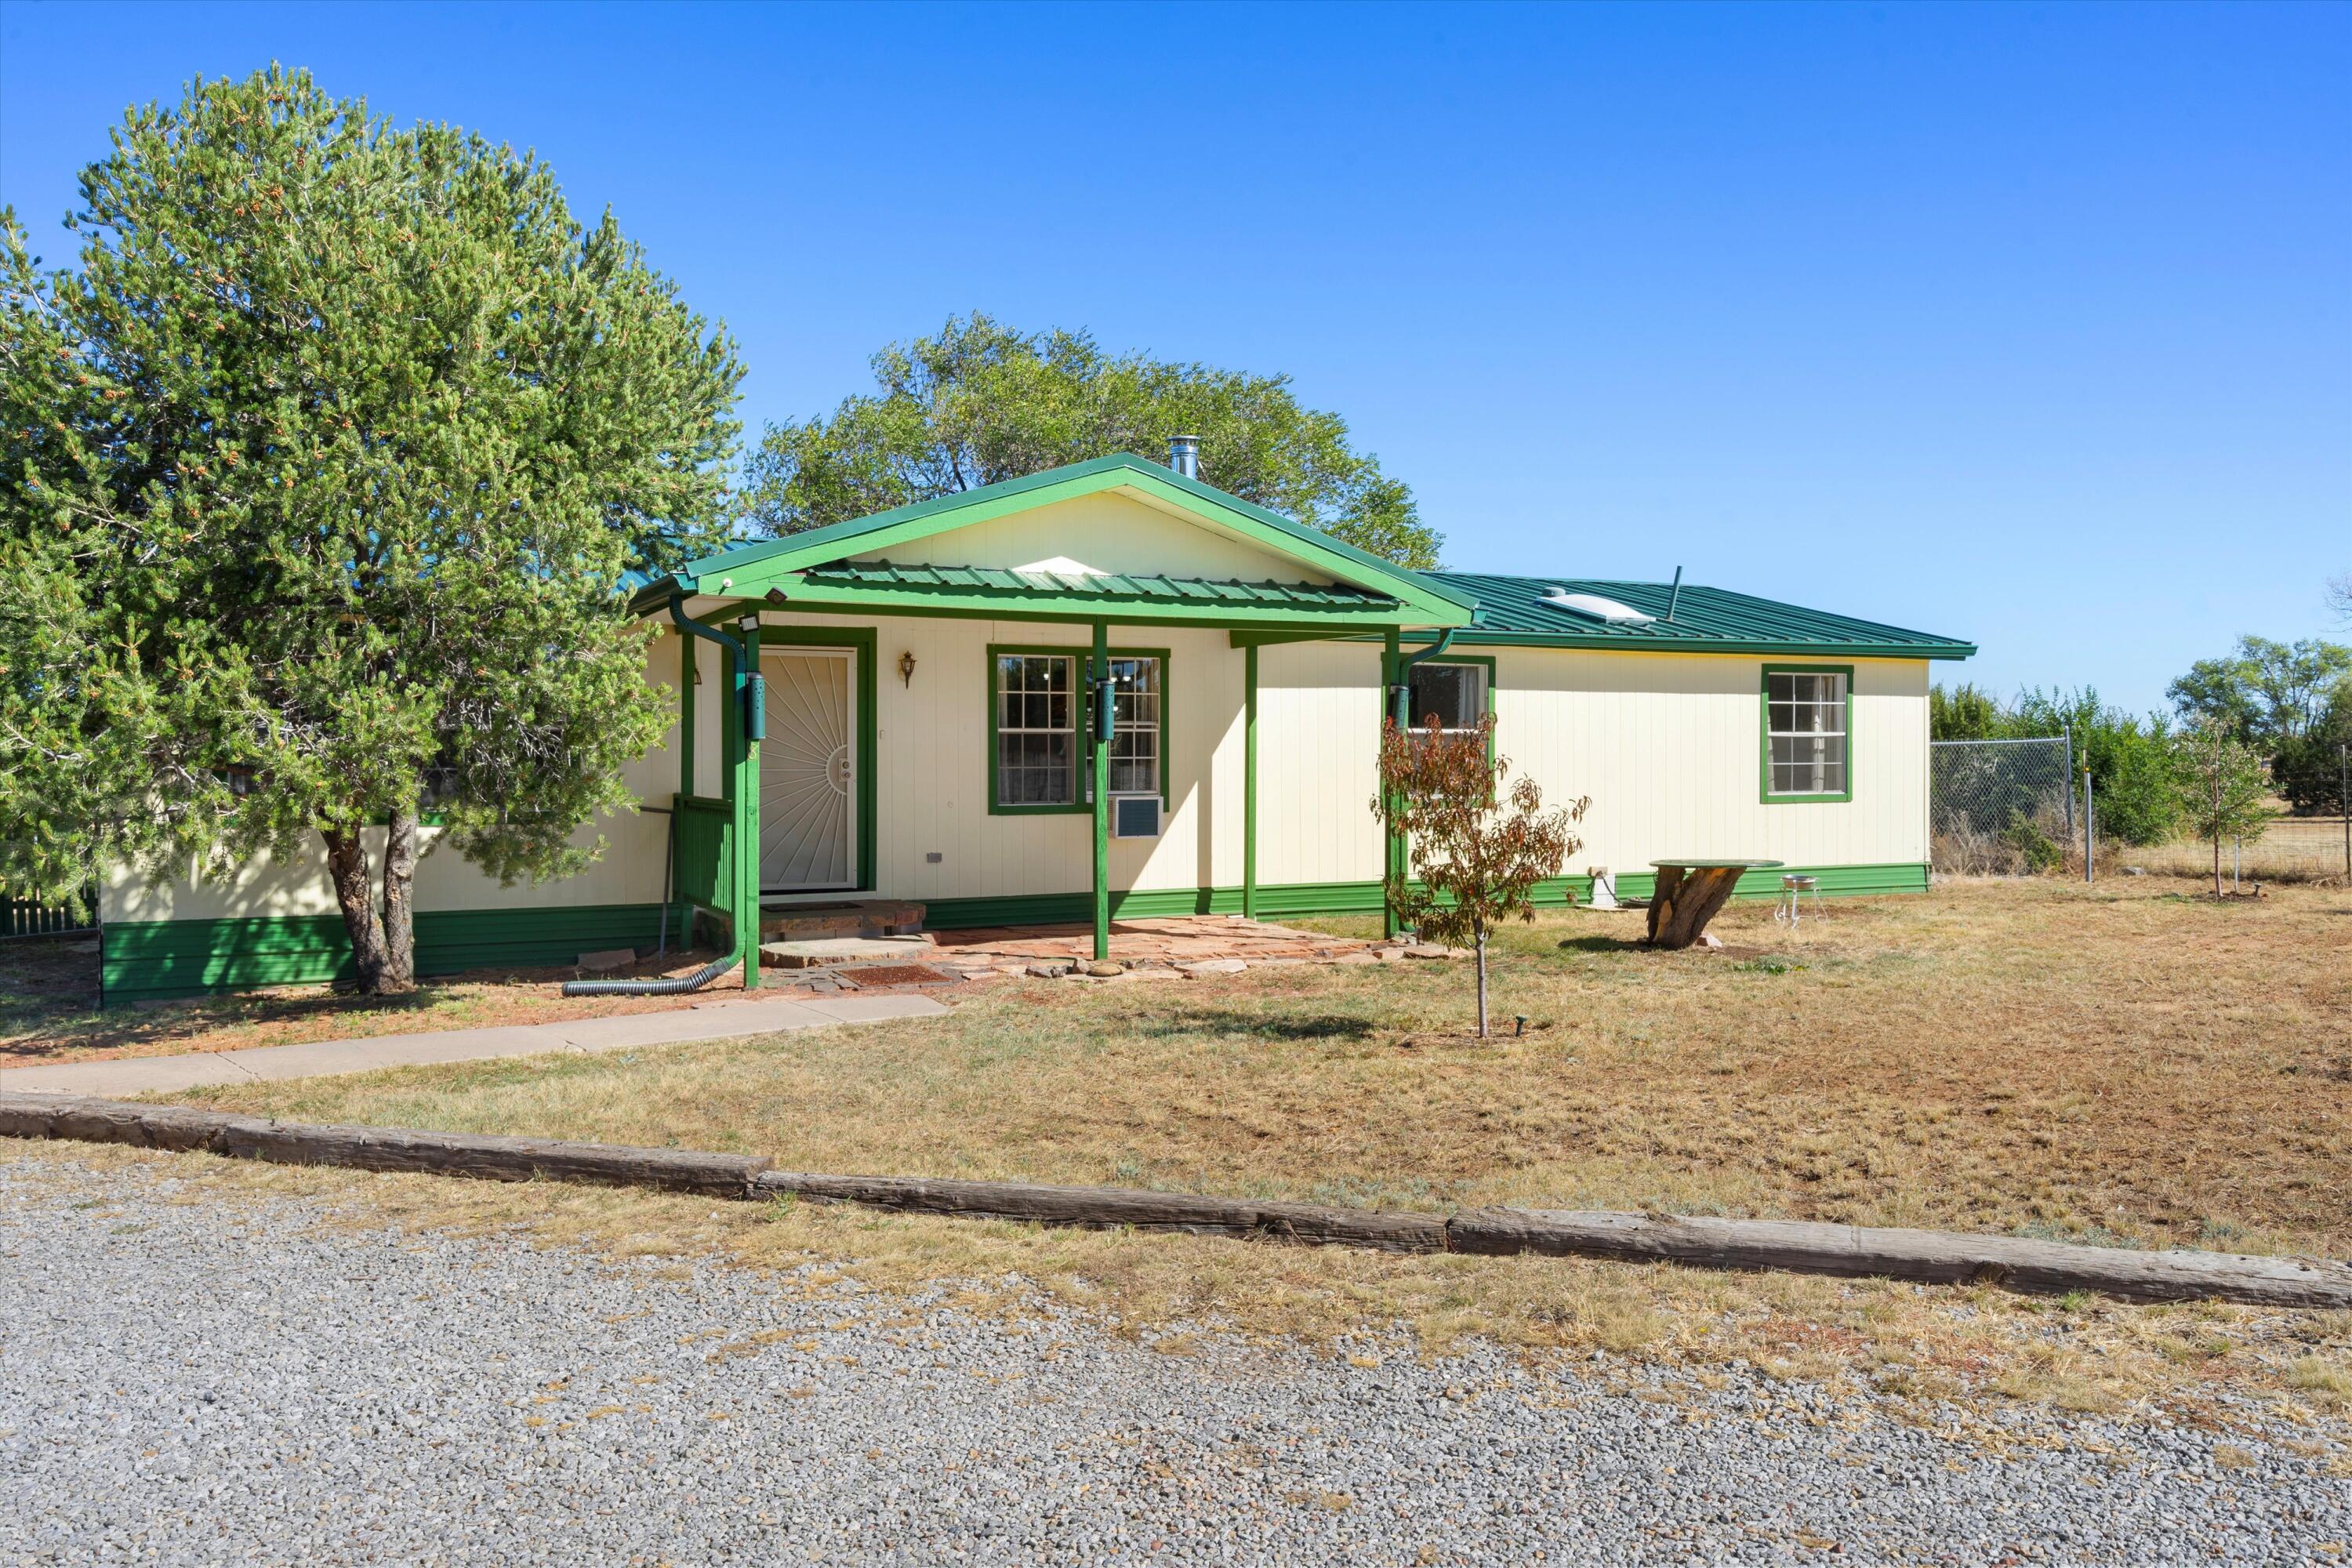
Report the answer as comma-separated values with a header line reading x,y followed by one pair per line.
x,y
2028,324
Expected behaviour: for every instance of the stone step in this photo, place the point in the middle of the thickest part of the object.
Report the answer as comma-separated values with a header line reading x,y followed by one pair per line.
x,y
864,918
813,952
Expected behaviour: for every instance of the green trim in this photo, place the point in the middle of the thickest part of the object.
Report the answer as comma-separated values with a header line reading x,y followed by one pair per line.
x,y
751,569
1079,653
747,809
145,959
1099,669
862,641
1633,642
1485,662
1249,780
1764,735
1281,899
688,668
148,958
1003,604
1392,850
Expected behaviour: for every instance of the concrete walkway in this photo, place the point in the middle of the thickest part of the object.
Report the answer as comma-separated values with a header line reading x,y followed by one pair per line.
x,y
705,1021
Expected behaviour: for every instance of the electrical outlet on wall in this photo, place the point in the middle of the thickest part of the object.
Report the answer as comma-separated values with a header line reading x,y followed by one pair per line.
x,y
932,857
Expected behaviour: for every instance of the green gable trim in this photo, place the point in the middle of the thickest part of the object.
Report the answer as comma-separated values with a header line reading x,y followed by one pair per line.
x,y
140,960
751,570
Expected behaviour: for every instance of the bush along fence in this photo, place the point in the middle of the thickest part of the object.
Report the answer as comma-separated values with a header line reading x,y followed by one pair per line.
x,y
1922,1256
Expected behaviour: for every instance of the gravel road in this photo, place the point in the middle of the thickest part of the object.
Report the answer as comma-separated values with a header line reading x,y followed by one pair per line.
x,y
226,1383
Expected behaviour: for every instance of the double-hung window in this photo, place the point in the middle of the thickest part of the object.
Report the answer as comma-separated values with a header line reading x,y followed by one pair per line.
x,y
1137,699
1807,742
1039,725
1038,713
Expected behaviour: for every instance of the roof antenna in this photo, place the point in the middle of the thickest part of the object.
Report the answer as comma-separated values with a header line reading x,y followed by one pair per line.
x,y
1676,597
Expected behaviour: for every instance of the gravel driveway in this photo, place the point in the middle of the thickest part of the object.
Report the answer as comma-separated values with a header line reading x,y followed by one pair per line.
x,y
226,1383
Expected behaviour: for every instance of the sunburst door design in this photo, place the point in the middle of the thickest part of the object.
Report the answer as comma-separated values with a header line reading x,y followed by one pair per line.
x,y
808,782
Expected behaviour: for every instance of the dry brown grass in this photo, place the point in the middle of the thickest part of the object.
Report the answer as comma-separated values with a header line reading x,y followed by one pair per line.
x,y
1937,1352
2118,1064
49,1011
2125,1063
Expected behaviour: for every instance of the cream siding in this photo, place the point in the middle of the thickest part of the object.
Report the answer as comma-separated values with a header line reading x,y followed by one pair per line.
x,y
629,871
1666,745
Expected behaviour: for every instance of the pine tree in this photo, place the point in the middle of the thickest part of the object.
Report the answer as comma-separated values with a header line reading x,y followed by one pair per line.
x,y
327,468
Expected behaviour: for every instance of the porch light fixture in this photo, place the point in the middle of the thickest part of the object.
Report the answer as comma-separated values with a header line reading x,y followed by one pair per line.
x,y
907,669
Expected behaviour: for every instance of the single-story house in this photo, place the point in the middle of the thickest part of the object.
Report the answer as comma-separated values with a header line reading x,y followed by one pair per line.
x,y
924,721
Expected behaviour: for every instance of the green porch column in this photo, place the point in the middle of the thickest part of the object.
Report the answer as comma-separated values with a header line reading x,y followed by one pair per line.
x,y
686,670
1392,857
747,805
1098,724
1249,781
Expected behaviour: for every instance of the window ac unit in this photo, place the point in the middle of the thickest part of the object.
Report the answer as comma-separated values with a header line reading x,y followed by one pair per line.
x,y
1135,816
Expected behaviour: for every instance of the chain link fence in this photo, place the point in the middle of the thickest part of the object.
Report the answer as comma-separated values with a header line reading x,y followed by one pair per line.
x,y
2003,807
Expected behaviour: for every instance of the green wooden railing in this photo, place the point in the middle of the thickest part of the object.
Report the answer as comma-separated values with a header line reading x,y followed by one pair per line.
x,y
706,853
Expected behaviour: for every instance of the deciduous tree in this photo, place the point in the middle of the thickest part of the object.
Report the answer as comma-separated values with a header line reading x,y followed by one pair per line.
x,y
1476,841
982,402
2223,785
327,466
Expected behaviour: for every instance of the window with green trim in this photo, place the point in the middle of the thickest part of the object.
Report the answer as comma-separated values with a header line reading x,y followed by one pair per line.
x,y
1137,690
1805,734
1037,717
1452,694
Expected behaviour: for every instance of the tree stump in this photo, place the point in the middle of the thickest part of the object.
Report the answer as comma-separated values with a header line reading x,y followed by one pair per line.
x,y
1685,900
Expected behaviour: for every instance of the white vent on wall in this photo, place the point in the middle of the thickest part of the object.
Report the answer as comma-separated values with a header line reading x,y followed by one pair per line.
x,y
1592,606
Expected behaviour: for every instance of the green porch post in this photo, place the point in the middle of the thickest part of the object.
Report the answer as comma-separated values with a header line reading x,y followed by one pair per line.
x,y
1249,781
747,689
687,668
1392,854
1098,727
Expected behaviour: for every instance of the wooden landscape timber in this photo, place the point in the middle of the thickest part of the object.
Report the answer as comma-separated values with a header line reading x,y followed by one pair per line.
x,y
1929,1257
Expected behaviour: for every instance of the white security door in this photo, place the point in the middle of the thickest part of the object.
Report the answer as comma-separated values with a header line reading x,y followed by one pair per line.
x,y
808,785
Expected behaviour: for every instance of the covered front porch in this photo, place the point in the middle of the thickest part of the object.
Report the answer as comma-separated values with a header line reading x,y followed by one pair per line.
x,y
806,652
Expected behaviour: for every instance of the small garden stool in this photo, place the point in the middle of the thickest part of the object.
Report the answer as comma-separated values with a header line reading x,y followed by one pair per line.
x,y
1793,888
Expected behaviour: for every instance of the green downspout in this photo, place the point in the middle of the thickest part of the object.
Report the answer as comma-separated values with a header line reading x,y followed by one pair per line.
x,y
1249,781
1397,681
1099,722
688,667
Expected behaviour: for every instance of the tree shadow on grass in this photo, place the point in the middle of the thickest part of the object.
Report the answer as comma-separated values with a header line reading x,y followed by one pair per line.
x,y
1230,1021
1604,944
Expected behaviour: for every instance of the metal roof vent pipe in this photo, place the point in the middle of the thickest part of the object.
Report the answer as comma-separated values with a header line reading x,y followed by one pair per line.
x,y
1184,455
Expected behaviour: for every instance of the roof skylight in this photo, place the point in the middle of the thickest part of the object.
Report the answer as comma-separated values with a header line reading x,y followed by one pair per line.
x,y
1594,607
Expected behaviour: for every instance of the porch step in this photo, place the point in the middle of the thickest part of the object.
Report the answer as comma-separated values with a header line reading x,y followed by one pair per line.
x,y
866,918
816,951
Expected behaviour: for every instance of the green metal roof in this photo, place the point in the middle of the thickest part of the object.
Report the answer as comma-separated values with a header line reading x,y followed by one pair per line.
x,y
960,581
1512,611
750,569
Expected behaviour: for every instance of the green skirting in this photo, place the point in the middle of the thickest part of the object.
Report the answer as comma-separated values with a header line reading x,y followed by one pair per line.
x,y
148,959
1278,900
145,959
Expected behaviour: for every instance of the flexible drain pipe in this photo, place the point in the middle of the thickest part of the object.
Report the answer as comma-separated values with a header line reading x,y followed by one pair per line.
x,y
709,972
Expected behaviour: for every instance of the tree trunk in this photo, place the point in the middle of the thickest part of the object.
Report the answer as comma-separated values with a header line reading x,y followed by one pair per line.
x,y
347,866
400,902
1482,985
2217,818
